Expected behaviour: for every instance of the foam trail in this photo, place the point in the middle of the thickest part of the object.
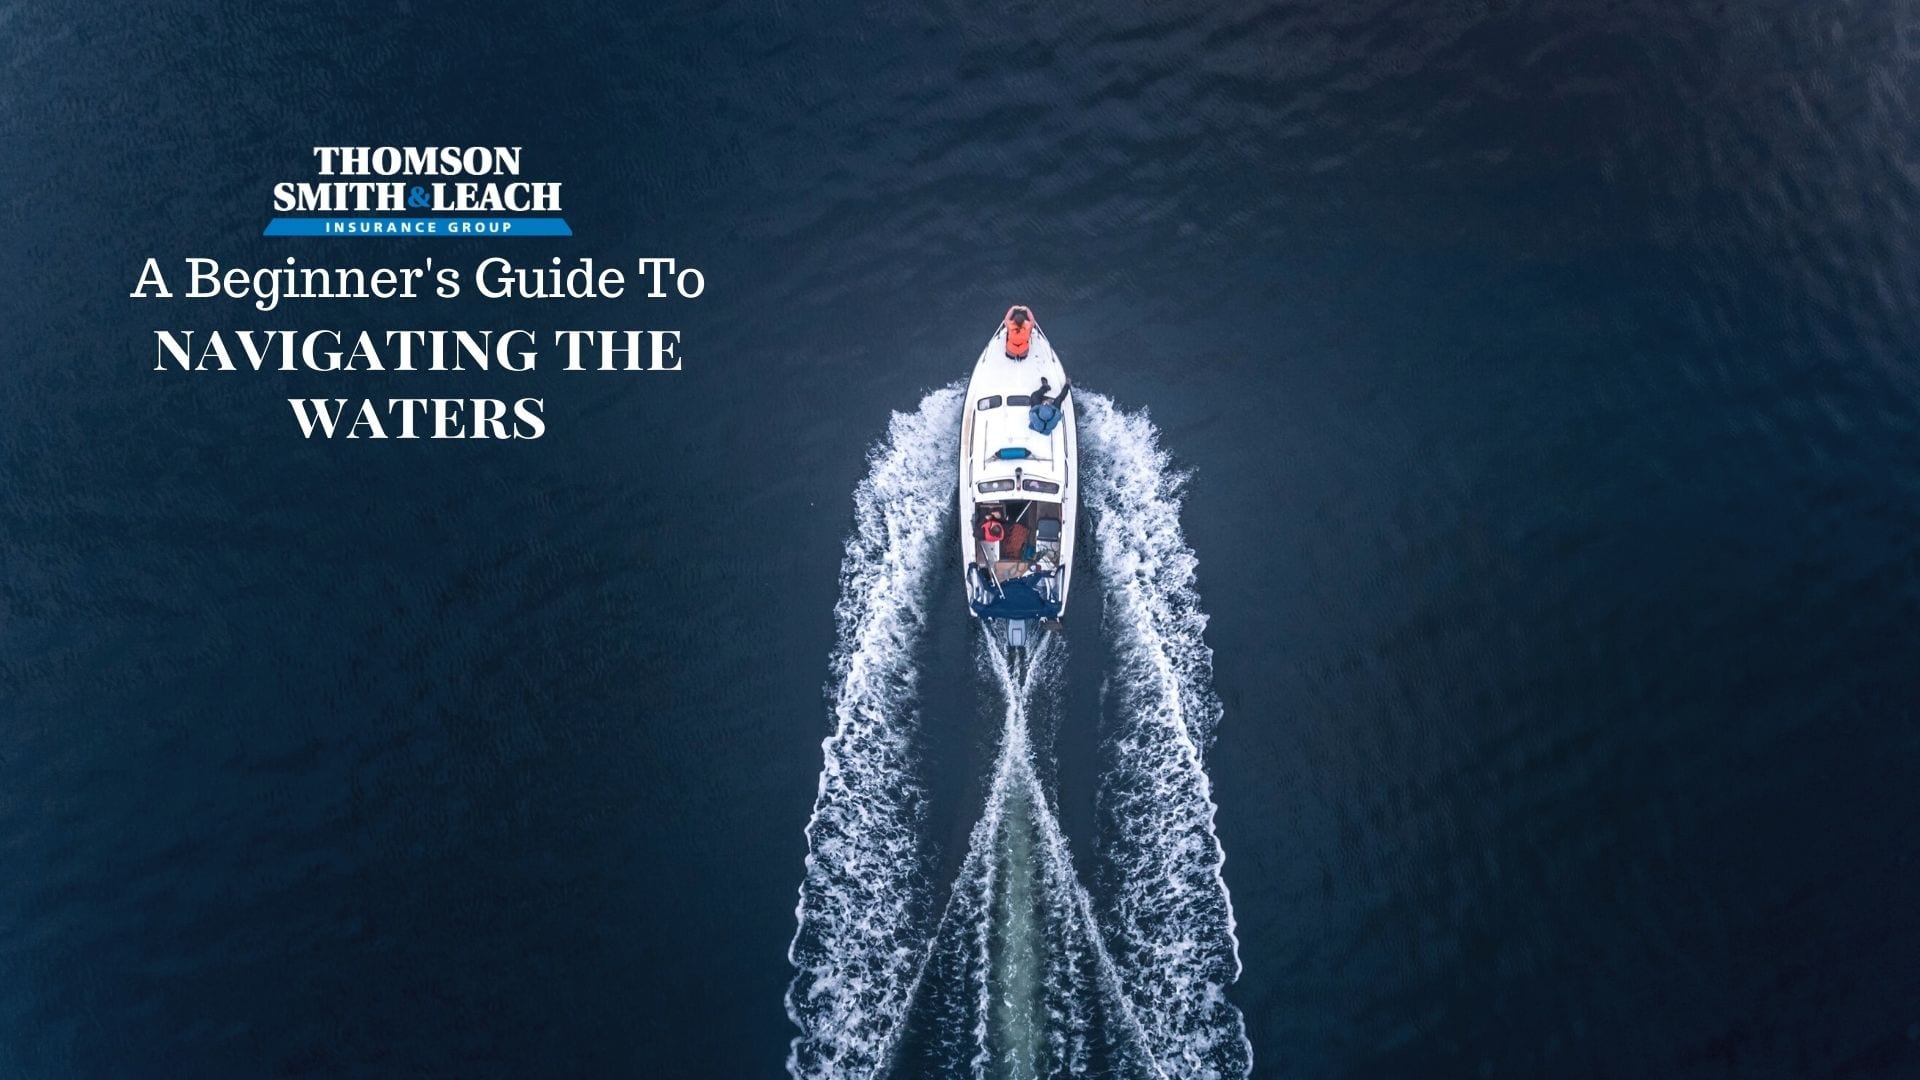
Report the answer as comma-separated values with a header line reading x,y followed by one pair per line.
x,y
1041,966
1018,918
1019,978
1169,917
1030,988
857,948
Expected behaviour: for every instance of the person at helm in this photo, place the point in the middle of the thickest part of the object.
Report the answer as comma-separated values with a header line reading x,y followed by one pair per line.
x,y
993,529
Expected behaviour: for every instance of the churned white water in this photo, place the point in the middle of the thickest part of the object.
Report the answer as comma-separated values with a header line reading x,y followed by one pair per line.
x,y
857,947
1039,979
1169,918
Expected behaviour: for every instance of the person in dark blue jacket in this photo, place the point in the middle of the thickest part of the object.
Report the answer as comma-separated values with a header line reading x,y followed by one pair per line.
x,y
1044,411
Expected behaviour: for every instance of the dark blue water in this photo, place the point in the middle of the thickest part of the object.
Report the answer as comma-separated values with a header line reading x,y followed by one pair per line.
x,y
1545,371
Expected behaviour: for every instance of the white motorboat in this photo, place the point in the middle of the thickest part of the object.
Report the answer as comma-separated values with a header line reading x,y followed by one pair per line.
x,y
1017,481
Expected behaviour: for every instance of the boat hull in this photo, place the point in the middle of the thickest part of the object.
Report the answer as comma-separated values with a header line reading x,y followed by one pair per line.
x,y
1018,485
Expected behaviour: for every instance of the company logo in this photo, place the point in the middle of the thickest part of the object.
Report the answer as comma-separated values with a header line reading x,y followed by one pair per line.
x,y
417,191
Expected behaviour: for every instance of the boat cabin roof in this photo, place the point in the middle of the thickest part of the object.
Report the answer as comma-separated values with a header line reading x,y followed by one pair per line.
x,y
1011,457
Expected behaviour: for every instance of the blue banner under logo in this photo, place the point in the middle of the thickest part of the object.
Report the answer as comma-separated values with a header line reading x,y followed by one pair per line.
x,y
417,226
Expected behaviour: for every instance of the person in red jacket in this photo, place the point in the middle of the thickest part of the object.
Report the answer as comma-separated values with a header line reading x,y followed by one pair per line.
x,y
1019,333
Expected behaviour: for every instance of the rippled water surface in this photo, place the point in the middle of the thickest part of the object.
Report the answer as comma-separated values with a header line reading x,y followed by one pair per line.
x,y
1544,379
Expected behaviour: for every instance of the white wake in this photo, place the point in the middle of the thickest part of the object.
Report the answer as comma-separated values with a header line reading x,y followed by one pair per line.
x,y
1170,919
856,949
1023,975
1032,989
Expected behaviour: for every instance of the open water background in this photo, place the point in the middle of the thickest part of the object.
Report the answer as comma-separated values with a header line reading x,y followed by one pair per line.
x,y
1545,371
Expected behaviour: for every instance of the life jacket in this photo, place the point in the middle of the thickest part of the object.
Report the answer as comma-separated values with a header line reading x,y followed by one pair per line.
x,y
993,530
1019,334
